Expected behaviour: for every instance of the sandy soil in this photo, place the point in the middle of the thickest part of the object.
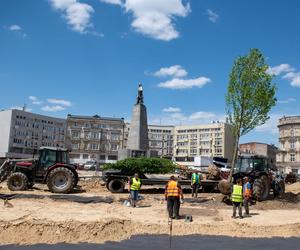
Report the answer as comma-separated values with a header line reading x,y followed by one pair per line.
x,y
44,220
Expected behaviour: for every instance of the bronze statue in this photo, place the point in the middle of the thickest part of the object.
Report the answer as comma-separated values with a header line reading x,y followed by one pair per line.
x,y
140,97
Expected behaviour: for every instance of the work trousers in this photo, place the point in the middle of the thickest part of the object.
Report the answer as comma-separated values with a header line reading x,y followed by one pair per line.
x,y
195,189
246,206
239,206
173,205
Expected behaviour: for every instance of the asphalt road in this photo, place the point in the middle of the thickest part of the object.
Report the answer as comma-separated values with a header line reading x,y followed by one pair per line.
x,y
158,242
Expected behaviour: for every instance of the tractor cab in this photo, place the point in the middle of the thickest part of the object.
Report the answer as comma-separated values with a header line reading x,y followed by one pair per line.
x,y
50,156
247,164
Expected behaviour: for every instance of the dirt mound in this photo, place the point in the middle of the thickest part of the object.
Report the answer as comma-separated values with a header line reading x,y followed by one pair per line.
x,y
32,232
92,185
293,188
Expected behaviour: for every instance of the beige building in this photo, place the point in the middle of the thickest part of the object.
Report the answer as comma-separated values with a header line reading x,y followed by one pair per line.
x,y
288,157
211,140
94,138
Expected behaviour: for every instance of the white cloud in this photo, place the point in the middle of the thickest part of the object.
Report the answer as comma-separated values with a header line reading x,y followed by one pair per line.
x,y
177,118
118,2
289,100
270,125
174,71
202,115
171,110
34,100
60,102
54,108
279,69
155,18
177,83
14,27
294,78
21,108
77,14
212,16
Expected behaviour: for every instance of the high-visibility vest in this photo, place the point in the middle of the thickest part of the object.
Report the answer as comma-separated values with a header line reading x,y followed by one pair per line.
x,y
247,191
237,193
195,178
172,189
135,184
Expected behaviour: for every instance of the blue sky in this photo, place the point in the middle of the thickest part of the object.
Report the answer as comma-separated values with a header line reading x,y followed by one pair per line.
x,y
87,56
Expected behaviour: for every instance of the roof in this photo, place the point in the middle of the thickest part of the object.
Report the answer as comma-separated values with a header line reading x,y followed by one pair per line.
x,y
96,117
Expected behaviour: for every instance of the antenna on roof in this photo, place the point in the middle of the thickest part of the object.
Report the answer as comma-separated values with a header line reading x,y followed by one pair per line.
x,y
24,107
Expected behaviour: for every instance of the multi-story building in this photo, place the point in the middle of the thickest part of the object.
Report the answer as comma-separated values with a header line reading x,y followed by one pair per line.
x,y
161,139
22,133
288,156
258,148
212,140
95,138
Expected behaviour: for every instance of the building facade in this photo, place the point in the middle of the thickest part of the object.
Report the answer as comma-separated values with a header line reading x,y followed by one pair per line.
x,y
95,138
258,148
161,139
23,133
210,140
288,156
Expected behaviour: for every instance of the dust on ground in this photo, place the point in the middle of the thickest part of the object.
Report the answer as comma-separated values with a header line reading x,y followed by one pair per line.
x,y
47,220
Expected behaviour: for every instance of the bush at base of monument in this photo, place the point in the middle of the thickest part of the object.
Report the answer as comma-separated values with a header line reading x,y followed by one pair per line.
x,y
143,165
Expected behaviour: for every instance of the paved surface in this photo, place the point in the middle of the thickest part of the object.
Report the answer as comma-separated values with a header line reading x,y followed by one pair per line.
x,y
178,243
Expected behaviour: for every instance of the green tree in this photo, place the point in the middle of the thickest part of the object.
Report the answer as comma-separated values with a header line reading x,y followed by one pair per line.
x,y
250,96
143,165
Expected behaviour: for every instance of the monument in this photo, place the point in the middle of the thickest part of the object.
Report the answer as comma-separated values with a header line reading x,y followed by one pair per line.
x,y
137,142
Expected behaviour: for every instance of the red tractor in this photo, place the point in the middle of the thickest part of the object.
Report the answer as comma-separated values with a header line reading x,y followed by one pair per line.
x,y
52,168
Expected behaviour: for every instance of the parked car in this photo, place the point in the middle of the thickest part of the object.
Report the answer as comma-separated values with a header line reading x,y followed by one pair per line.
x,y
91,165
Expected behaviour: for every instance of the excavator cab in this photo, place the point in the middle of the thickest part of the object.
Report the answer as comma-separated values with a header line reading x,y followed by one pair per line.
x,y
251,164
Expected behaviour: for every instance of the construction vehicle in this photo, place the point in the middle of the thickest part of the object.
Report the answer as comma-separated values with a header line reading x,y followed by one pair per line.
x,y
52,167
259,171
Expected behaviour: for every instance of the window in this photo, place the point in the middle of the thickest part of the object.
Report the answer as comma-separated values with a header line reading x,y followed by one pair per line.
x,y
75,134
75,146
292,145
95,135
293,157
94,146
85,156
295,171
112,157
114,147
115,137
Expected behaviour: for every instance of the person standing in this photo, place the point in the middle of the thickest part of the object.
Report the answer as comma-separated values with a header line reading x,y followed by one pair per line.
x,y
195,184
237,198
247,194
173,193
134,188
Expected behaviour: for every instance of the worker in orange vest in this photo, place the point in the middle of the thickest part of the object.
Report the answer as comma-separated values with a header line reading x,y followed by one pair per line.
x,y
247,195
173,193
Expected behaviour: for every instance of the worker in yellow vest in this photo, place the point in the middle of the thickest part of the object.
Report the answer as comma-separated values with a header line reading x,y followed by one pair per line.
x,y
134,188
237,198
195,183
173,193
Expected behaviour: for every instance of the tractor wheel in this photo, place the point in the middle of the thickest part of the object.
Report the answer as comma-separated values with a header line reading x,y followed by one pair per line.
x,y
17,181
116,186
61,180
261,188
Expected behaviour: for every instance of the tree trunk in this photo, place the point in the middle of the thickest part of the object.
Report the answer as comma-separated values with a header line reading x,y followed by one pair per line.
x,y
234,158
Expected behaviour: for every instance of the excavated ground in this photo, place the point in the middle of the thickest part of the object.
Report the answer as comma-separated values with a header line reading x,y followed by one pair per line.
x,y
92,214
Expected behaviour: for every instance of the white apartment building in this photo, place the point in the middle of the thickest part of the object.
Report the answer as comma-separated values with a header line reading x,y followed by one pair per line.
x,y
211,140
288,156
22,133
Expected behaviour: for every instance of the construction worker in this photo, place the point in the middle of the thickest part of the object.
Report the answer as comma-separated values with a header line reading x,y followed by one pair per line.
x,y
173,193
195,183
237,198
247,194
134,188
